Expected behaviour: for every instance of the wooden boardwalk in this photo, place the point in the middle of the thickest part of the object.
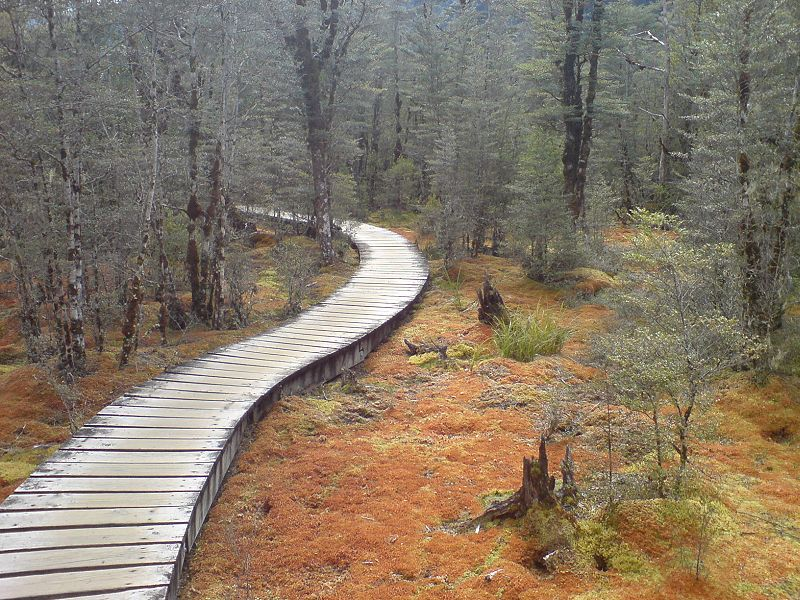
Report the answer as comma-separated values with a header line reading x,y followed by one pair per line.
x,y
114,512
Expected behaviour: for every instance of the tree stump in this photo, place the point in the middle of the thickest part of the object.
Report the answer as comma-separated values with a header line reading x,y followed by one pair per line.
x,y
491,308
569,489
537,487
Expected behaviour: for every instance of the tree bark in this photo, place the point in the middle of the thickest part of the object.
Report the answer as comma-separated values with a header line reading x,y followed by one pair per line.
x,y
317,135
70,167
151,137
579,114
218,206
318,67
194,210
171,314
663,154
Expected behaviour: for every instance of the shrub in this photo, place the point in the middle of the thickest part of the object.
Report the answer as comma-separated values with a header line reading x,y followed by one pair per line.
x,y
295,268
525,337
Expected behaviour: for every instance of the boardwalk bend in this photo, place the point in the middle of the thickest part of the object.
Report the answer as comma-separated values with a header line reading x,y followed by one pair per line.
x,y
114,512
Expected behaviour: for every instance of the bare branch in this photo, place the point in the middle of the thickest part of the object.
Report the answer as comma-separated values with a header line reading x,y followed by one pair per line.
x,y
635,63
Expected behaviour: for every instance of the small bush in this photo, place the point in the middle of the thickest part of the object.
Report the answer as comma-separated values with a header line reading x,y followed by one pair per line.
x,y
525,337
295,268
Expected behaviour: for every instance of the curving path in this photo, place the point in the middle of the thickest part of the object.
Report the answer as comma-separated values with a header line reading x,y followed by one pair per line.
x,y
114,512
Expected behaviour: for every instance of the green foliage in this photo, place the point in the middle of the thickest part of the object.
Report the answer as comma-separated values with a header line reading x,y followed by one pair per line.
x,y
402,184
462,351
600,546
524,337
679,327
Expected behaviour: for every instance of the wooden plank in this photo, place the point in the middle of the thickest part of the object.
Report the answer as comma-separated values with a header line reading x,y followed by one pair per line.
x,y
68,559
141,466
218,422
157,445
264,358
155,433
206,371
174,377
236,409
325,344
38,485
62,585
102,456
246,370
141,469
157,593
99,517
180,403
72,501
15,541
194,387
194,395
292,355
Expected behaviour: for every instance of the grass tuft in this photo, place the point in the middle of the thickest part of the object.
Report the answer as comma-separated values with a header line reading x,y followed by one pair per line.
x,y
525,337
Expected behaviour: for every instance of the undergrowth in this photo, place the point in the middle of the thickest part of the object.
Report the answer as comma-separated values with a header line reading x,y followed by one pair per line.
x,y
524,337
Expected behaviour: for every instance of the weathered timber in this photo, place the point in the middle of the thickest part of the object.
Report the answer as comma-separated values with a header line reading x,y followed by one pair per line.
x,y
114,513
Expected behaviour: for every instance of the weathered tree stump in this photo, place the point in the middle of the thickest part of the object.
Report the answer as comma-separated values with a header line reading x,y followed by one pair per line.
x,y
569,489
538,487
491,307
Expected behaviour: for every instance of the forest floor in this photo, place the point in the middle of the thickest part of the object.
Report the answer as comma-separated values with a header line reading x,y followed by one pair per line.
x,y
34,420
351,490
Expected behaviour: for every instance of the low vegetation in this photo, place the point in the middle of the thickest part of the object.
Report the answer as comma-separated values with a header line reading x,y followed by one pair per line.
x,y
524,336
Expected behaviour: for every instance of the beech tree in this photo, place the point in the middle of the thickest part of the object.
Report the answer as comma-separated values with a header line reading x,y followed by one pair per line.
x,y
318,37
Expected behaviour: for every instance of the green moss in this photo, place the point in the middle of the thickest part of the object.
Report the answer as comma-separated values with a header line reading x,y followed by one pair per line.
x,y
599,545
6,369
326,407
462,351
17,465
494,496
424,360
13,470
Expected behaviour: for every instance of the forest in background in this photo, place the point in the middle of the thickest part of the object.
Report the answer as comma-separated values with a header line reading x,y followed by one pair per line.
x,y
133,133
135,136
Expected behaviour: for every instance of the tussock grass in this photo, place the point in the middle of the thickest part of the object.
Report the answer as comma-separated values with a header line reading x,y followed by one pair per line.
x,y
525,337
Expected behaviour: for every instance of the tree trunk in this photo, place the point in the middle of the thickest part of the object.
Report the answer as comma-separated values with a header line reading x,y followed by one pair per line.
x,y
218,206
572,101
311,62
753,279
216,295
194,210
587,126
53,283
171,314
663,154
99,324
578,116
30,324
133,311
70,168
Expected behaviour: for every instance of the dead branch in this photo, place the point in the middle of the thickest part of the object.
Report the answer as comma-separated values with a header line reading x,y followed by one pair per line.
x,y
426,347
